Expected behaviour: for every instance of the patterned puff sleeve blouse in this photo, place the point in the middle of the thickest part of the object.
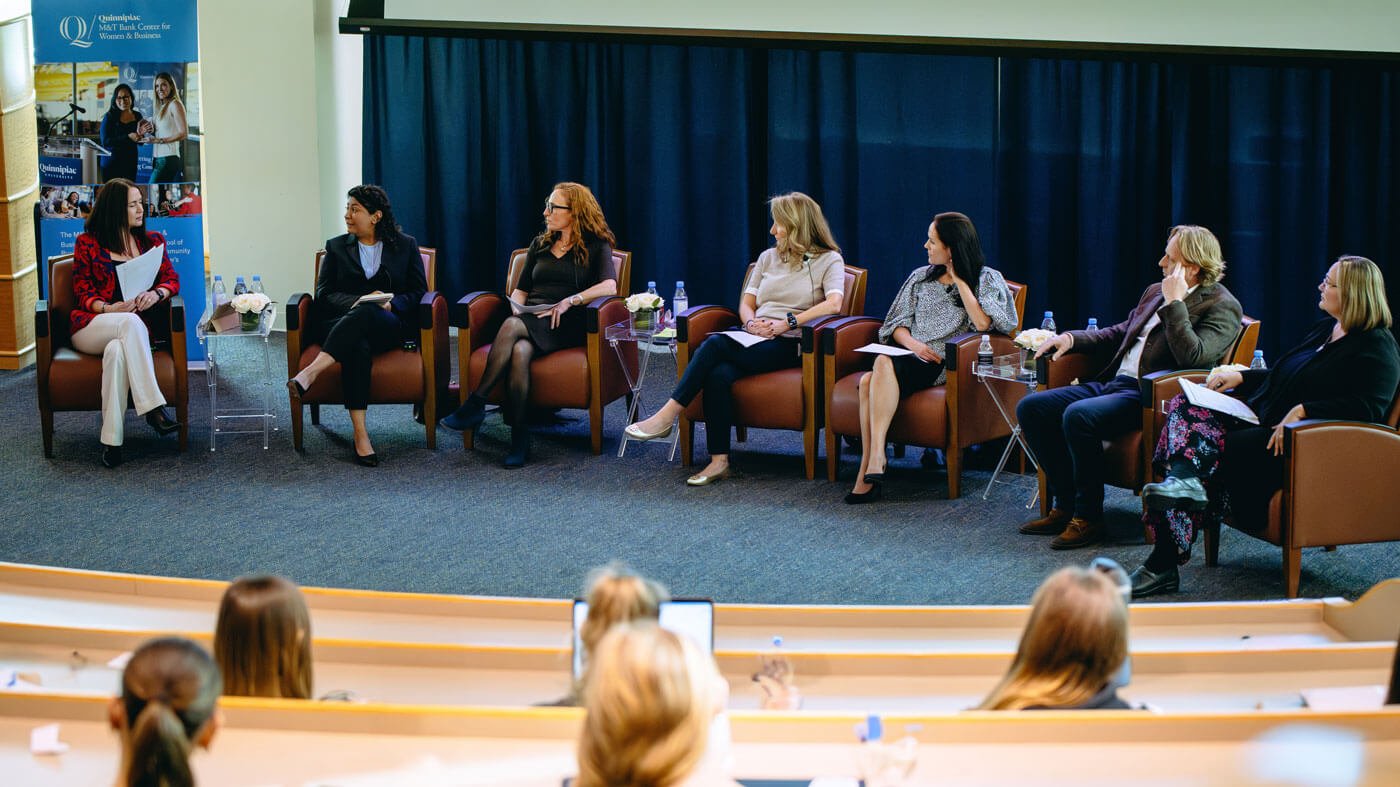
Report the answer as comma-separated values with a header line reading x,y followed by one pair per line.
x,y
934,312
95,278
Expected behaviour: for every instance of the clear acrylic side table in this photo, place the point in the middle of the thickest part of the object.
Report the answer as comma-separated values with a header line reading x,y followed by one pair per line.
x,y
1008,369
621,332
238,420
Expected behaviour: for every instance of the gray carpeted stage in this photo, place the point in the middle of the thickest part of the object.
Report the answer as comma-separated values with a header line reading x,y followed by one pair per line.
x,y
449,521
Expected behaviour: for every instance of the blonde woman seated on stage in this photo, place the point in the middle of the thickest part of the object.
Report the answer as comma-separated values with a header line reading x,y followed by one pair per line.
x,y
655,713
1074,645
262,641
797,281
168,706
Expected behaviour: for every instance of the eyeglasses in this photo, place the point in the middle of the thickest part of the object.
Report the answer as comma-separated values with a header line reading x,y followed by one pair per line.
x,y
550,207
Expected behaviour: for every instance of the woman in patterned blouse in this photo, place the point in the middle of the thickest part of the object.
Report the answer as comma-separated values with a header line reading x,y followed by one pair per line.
x,y
954,293
112,324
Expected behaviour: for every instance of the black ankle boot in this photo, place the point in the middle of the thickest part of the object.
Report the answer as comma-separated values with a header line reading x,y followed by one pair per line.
x,y
519,447
469,416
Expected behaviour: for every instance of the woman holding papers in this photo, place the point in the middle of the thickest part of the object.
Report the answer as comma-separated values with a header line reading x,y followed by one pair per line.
x,y
956,292
367,291
797,281
568,264
1347,367
113,324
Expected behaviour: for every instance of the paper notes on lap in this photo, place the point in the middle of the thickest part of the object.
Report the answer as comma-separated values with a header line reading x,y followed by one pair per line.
x,y
137,274
875,348
743,337
519,309
1202,396
376,298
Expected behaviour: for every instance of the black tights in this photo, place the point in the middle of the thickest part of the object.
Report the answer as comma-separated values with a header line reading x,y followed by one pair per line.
x,y
511,352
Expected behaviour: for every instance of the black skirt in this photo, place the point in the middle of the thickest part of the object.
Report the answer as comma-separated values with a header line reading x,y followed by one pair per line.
x,y
913,374
572,331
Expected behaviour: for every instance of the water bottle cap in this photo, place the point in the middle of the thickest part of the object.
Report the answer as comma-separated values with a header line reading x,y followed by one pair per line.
x,y
1258,353
777,641
651,284
680,284
257,278
240,278
1049,314
217,277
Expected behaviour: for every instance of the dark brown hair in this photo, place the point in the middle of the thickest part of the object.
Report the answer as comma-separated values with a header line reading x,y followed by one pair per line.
x,y
107,222
170,691
262,641
957,233
374,198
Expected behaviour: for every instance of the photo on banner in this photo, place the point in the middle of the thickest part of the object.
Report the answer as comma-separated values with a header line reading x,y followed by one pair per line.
x,y
117,96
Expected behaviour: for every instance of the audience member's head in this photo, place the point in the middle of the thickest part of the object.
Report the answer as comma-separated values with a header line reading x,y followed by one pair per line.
x,y
1074,642
1362,288
262,641
616,595
168,706
803,225
651,697
1200,248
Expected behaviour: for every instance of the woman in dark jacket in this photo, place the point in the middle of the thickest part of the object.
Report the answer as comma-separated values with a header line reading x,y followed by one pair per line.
x,y
1347,367
120,133
374,258
569,264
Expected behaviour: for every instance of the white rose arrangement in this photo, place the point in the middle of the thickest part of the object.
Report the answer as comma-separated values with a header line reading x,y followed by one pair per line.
x,y
246,302
1032,338
644,302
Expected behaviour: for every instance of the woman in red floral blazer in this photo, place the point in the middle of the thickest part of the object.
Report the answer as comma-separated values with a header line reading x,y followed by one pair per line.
x,y
111,323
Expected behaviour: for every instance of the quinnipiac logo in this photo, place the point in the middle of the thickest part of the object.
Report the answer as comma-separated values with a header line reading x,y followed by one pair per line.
x,y
76,30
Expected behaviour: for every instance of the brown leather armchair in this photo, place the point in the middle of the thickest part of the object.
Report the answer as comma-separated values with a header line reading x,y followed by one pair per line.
x,y
70,381
785,399
1128,459
586,378
397,376
1322,459
951,416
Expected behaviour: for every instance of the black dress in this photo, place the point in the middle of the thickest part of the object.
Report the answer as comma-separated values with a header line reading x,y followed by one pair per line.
x,y
550,279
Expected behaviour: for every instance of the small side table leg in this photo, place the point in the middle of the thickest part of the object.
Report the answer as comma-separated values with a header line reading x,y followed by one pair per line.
x,y
267,391
211,375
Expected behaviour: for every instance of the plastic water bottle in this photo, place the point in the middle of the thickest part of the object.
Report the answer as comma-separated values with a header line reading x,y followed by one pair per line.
x,y
680,301
1093,324
984,355
1048,323
220,292
651,288
239,287
775,678
257,286
1258,362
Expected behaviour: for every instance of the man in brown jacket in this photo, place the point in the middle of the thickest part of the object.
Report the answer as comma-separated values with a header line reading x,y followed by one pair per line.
x,y
1188,321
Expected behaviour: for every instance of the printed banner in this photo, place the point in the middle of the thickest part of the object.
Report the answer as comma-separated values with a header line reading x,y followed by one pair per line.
x,y
117,84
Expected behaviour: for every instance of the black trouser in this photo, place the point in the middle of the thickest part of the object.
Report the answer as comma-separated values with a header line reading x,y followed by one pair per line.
x,y
354,340
715,367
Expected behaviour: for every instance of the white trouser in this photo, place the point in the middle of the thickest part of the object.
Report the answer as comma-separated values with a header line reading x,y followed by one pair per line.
x,y
125,347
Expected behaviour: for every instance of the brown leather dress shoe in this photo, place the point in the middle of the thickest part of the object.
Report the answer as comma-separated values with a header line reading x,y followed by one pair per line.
x,y
1078,533
1052,524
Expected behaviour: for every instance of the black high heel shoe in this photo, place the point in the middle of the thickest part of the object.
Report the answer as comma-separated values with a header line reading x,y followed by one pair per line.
x,y
295,389
861,498
467,417
519,447
366,460
162,422
111,455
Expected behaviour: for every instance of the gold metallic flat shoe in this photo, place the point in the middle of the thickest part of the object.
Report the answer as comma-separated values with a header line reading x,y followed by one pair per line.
x,y
700,479
635,432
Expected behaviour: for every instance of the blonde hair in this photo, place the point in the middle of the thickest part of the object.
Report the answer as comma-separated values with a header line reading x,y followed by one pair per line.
x,y
1200,247
1076,638
807,230
588,220
649,702
262,640
170,693
617,595
1362,289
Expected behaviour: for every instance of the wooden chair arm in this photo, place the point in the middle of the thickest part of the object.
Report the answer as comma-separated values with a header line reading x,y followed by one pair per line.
x,y
43,346
298,317
1338,482
696,323
1069,368
480,314
433,340
839,340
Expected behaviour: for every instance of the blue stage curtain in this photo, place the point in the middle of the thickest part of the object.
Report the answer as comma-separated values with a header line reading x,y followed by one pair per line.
x,y
1072,168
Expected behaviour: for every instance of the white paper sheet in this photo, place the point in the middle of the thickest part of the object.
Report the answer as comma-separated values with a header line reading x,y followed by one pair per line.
x,y
1202,396
44,740
375,298
516,308
137,274
743,337
884,349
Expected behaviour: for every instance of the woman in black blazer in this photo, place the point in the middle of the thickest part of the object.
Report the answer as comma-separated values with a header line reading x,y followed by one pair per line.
x,y
373,258
569,264
1347,367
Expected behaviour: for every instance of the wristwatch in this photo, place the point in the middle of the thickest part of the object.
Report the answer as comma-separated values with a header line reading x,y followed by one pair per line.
x,y
575,299
792,321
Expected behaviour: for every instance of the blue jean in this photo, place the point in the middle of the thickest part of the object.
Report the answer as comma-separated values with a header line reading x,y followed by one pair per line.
x,y
715,367
1066,427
